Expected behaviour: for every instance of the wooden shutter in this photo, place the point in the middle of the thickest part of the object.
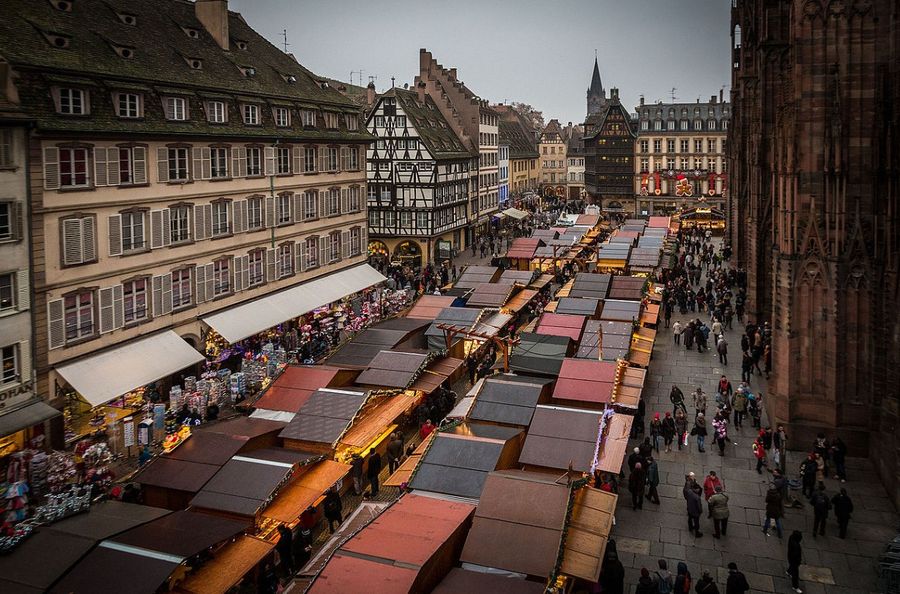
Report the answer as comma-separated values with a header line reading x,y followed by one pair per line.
x,y
23,291
202,162
56,325
345,244
157,295
139,164
345,200
207,219
239,216
107,318
168,107
238,279
239,161
270,265
73,242
118,307
160,232
323,202
298,160
88,240
100,167
269,160
115,235
201,225
270,211
51,168
324,251
245,270
302,260
323,158
162,164
278,262
298,208
345,158
210,282
200,283
112,166
25,360
18,216
167,294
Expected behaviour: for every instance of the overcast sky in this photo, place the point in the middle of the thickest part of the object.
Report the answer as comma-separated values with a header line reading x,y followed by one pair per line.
x,y
538,52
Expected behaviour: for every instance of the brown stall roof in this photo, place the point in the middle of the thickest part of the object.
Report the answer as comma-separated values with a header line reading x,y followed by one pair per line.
x,y
243,427
628,392
463,581
41,559
650,315
627,287
295,385
344,573
590,284
207,447
525,508
393,369
585,381
243,485
325,416
230,564
544,234
520,300
492,295
561,436
524,247
437,373
106,519
174,474
615,443
541,282
305,490
616,310
588,533
182,533
428,306
360,351
110,571
474,275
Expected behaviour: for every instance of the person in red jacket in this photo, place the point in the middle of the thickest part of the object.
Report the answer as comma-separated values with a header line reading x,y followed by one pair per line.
x,y
709,487
426,429
759,450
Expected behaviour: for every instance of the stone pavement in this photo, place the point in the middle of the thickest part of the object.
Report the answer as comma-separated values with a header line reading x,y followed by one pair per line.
x,y
833,565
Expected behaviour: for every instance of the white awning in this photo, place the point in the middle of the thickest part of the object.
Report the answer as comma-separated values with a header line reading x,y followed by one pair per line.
x,y
516,213
282,416
251,318
110,374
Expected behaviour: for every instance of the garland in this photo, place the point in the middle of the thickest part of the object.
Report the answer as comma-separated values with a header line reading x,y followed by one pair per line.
x,y
603,420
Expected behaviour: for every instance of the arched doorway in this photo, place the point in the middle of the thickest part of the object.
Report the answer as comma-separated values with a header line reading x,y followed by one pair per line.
x,y
378,253
408,252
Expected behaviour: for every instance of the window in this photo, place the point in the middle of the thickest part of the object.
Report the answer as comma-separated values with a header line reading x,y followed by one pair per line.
x,y
657,145
181,288
73,168
79,315
215,112
645,164
390,219
684,145
422,220
180,223
126,166
670,163
310,205
282,117
220,210
6,148
334,201
176,108
283,208
6,221
218,159
221,277
7,291
9,357
712,145
354,199
645,125
308,117
254,161
129,105
670,145
312,252
352,122
78,240
684,124
132,231
698,145
350,158
332,162
282,160
331,120
405,219
251,114
374,218
178,164
285,260
255,213
257,267
135,297
657,125
334,246
309,159
72,102
724,165
355,241
645,145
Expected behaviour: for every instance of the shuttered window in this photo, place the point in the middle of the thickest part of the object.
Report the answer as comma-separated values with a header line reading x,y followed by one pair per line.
x,y
254,162
334,202
355,241
7,291
257,267
221,271
312,252
135,300
79,315
9,364
310,205
334,246
218,162
309,159
78,240
177,160
7,218
285,259
255,213
180,223
283,204
220,218
73,168
181,288
133,231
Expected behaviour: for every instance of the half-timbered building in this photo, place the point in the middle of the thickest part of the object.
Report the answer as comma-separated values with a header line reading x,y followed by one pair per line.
x,y
609,157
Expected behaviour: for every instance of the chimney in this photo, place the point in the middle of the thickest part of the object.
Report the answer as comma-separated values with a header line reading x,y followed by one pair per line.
x,y
370,93
425,61
642,99
453,74
420,91
213,14
712,99
721,94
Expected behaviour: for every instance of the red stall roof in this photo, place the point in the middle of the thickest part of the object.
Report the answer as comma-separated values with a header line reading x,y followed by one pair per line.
x,y
561,325
659,222
524,247
294,387
350,574
586,380
429,306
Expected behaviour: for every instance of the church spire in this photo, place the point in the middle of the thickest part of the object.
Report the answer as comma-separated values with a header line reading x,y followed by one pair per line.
x,y
596,96
596,84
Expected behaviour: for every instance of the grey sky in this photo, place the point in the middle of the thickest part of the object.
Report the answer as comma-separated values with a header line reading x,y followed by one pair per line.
x,y
539,52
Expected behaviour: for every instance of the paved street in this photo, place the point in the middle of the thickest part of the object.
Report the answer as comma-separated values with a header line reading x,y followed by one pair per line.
x,y
833,566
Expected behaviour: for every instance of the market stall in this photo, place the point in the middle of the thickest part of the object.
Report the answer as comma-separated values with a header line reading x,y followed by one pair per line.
x,y
286,395
521,252
306,491
492,295
463,580
591,285
474,275
427,307
228,567
629,288
401,333
539,354
401,476
628,388
702,217
587,307
441,371
323,420
561,438
519,277
642,340
587,533
614,443
519,301
508,399
613,257
555,324
644,261
585,383
617,310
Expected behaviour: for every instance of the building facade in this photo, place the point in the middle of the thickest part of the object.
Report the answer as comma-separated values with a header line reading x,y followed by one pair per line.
x,y
814,206
574,136
502,171
419,178
680,156
166,186
552,147
597,101
609,157
524,158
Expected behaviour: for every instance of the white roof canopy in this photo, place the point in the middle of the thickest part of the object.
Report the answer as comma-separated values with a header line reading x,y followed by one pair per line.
x,y
110,374
251,318
515,213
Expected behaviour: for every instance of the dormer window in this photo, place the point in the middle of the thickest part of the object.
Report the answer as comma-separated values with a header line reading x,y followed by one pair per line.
x,y
56,40
63,5
352,121
128,105
216,112
241,45
282,117
191,32
248,71
176,108
71,101
124,52
331,120
309,118
128,19
251,114
194,63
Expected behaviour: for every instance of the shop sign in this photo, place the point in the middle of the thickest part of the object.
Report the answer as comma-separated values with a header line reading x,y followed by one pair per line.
x,y
159,416
16,395
443,249
128,432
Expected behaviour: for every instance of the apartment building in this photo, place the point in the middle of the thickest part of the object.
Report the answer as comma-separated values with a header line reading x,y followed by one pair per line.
x,y
552,146
524,158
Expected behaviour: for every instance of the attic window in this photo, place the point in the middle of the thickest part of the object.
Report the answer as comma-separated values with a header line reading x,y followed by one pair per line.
x,y
125,52
194,63
241,45
248,71
128,19
289,78
63,5
57,41
191,32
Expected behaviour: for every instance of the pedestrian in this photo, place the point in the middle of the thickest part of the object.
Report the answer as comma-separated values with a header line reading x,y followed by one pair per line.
x,y
645,449
718,505
779,442
839,456
332,506
663,580
759,451
636,483
774,511
645,584
722,349
668,431
700,432
795,558
356,473
737,581
709,487
843,507
676,330
285,549
373,470
633,458
426,429
612,572
676,396
683,581
394,451
700,401
821,504
694,507
821,469
706,585
808,475
723,390
681,429
652,481
720,428
739,406
655,431
746,366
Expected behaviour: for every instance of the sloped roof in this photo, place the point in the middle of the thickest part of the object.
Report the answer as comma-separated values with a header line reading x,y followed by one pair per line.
x,y
561,325
538,353
559,436
521,143
393,369
325,416
493,295
585,381
506,399
580,306
523,247
431,126
474,275
295,385
629,288
428,306
589,284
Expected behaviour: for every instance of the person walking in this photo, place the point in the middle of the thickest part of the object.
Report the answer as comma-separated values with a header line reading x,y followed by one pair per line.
x,y
645,584
663,579
724,391
394,451
706,585
612,572
808,475
709,487
373,470
668,431
356,473
700,401
843,507
694,507
285,549
681,428
759,451
746,366
718,505
720,427
795,558
333,506
676,397
774,511
722,349
700,431
636,482
655,431
821,504
683,580
839,457
737,581
739,405
652,481
676,330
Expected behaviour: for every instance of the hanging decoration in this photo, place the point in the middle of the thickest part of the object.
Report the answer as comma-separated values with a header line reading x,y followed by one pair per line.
x,y
683,187
601,434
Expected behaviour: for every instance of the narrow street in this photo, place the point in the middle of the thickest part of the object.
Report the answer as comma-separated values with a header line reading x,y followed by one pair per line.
x,y
832,565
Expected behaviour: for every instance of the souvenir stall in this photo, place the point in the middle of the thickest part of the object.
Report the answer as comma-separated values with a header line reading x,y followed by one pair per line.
x,y
521,252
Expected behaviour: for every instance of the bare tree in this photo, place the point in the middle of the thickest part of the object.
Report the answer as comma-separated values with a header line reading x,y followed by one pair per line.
x,y
532,115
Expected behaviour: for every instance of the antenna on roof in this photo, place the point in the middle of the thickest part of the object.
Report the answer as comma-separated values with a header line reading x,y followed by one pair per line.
x,y
392,82
285,41
673,94
372,79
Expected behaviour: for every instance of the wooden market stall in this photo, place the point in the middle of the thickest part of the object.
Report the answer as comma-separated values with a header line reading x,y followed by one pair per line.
x,y
628,388
519,277
588,533
614,443
561,438
306,491
539,354
404,471
591,285
588,307
286,395
400,333
642,340
228,567
508,399
585,383
492,295
475,275
459,317
703,217
613,257
555,324
323,419
605,340
521,252
427,307
628,288
617,310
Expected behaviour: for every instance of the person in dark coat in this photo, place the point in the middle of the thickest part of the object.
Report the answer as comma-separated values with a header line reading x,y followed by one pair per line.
x,y
668,431
268,580
843,507
636,483
683,579
612,574
737,581
285,548
774,510
394,452
808,475
821,505
373,470
356,473
706,585
795,558
645,583
333,506
694,509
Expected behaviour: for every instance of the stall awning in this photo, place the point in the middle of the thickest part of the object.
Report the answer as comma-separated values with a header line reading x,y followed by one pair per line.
x,y
28,415
516,213
251,318
110,374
